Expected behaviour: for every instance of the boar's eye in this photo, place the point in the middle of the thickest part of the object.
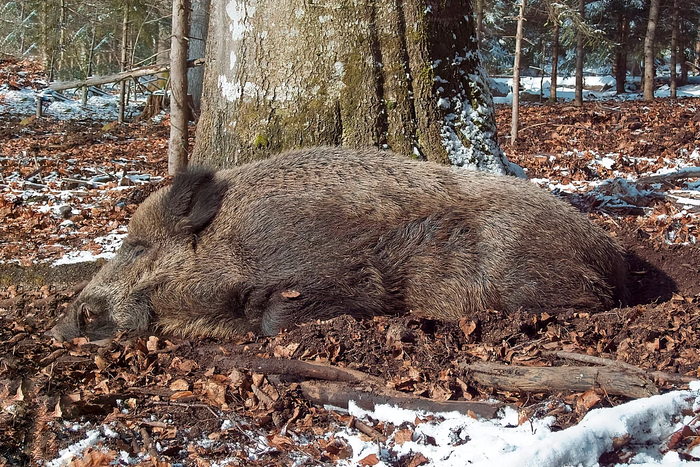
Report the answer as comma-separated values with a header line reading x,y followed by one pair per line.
x,y
138,250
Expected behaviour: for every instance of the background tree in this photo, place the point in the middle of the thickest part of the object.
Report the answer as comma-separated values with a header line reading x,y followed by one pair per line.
x,y
674,48
199,26
516,73
649,70
179,114
400,75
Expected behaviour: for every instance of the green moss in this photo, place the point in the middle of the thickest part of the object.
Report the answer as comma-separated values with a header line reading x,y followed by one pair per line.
x,y
391,105
261,141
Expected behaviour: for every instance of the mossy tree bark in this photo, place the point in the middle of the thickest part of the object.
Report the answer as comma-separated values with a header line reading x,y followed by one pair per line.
x,y
397,74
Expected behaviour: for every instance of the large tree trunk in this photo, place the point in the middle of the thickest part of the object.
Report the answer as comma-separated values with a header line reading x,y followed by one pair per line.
x,y
649,51
199,26
621,56
402,75
674,48
179,111
516,73
578,93
555,63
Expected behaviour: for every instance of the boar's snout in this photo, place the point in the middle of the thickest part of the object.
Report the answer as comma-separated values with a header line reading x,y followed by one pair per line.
x,y
88,316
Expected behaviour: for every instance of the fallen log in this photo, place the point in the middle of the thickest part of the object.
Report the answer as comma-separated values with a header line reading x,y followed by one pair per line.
x,y
680,174
614,381
651,374
338,386
340,395
121,76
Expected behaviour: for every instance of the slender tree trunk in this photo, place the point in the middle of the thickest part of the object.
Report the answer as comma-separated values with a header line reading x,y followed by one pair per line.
x,y
61,36
199,27
46,52
177,152
91,53
555,63
649,51
21,29
479,21
682,54
674,48
125,50
516,73
684,60
578,94
621,57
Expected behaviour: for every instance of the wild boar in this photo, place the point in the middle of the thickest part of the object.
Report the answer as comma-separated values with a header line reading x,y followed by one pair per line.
x,y
317,233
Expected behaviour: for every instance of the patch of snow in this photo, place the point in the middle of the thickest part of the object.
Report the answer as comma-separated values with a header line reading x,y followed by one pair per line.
x,y
457,440
66,455
98,108
595,88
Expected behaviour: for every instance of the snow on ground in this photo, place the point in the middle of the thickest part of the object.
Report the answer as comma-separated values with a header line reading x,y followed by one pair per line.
x,y
641,431
98,108
456,440
622,191
595,88
452,439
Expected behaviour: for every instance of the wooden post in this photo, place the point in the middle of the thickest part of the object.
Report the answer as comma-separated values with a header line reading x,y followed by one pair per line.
x,y
516,74
177,151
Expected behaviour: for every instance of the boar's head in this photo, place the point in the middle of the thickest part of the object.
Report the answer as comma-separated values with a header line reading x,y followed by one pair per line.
x,y
162,238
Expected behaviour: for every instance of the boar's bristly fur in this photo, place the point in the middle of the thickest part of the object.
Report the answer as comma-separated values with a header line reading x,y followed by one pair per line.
x,y
316,233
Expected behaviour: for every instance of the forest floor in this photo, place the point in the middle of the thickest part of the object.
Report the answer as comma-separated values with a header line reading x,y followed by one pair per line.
x,y
70,186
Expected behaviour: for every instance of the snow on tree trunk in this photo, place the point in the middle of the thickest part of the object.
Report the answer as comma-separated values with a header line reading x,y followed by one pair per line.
x,y
649,51
404,75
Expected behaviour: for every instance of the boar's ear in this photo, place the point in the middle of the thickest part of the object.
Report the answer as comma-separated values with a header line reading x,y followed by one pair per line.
x,y
194,200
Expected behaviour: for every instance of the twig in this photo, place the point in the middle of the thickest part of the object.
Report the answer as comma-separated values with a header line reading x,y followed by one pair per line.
x,y
557,124
281,366
148,443
16,338
52,357
366,429
82,182
196,405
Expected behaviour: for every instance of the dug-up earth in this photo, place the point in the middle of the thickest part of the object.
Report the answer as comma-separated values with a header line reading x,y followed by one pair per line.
x,y
163,399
